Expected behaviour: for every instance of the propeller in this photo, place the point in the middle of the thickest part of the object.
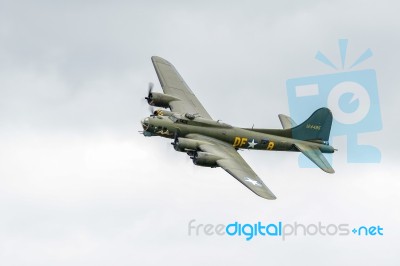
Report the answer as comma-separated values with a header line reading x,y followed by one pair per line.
x,y
176,136
193,155
149,97
151,110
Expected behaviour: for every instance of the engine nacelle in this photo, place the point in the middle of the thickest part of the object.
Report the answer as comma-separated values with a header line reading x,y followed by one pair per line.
x,y
162,112
205,159
160,99
184,144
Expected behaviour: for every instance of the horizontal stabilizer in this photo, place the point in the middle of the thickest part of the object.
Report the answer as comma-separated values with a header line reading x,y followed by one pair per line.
x,y
286,121
315,155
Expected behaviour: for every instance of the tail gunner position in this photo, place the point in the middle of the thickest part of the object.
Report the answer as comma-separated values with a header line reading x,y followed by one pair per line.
x,y
212,143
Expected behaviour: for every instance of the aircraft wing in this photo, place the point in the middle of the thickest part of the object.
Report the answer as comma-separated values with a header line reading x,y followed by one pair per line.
x,y
173,84
315,155
234,164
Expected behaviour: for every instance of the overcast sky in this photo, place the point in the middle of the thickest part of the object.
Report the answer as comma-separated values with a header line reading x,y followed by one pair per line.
x,y
80,186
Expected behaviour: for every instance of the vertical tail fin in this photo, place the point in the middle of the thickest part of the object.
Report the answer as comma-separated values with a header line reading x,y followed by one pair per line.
x,y
316,127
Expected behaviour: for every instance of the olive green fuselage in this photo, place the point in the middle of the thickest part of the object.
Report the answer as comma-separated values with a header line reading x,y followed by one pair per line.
x,y
239,138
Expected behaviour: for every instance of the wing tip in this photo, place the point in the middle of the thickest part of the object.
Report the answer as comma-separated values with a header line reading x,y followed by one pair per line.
x,y
159,59
268,196
329,170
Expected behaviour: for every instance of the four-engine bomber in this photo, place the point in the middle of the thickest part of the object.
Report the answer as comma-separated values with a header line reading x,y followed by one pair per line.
x,y
211,143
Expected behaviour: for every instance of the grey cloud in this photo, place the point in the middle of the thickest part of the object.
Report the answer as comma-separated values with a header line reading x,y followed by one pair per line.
x,y
79,185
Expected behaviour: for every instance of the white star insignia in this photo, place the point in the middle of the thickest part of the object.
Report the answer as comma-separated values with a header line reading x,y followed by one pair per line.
x,y
254,182
252,144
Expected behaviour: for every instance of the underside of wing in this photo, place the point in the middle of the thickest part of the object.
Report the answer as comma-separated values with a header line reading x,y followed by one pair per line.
x,y
316,156
173,84
231,161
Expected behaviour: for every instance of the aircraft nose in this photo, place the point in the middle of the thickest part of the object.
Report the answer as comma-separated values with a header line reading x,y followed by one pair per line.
x,y
145,123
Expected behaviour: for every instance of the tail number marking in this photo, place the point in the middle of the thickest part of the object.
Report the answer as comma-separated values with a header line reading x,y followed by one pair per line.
x,y
315,127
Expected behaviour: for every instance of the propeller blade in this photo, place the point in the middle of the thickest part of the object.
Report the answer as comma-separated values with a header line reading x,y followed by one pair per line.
x,y
149,92
151,109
